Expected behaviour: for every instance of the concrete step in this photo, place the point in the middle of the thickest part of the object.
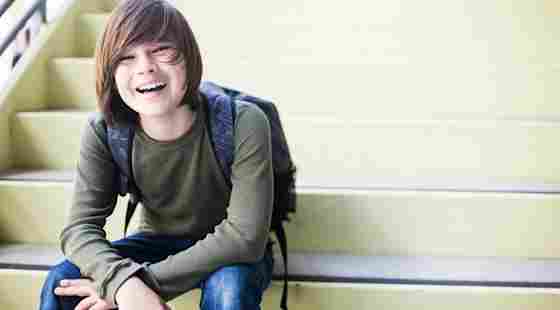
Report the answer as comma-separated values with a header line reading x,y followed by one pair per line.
x,y
363,222
336,268
20,290
64,75
373,31
496,96
303,33
37,214
48,141
90,28
358,153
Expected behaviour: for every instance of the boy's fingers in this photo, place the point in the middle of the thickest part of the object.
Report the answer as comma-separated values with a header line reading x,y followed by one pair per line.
x,y
74,282
86,303
73,291
101,305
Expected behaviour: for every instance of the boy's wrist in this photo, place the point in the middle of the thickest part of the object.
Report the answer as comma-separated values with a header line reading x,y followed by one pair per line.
x,y
135,294
126,289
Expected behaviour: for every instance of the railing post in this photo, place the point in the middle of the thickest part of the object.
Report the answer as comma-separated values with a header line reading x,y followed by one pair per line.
x,y
44,11
39,5
5,6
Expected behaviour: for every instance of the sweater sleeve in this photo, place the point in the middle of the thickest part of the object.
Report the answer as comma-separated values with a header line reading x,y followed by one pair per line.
x,y
83,240
241,237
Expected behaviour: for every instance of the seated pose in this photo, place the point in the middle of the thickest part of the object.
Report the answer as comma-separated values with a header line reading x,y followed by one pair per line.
x,y
197,227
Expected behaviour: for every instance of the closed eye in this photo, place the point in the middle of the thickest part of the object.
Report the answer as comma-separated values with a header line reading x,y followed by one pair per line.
x,y
160,49
166,53
123,58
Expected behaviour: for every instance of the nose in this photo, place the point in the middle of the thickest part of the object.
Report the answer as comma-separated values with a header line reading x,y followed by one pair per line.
x,y
145,64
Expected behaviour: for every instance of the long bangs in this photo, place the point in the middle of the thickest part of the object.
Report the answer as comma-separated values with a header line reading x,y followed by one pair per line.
x,y
156,22
136,22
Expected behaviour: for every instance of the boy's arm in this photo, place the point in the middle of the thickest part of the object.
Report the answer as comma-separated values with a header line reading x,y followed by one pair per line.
x,y
83,239
242,236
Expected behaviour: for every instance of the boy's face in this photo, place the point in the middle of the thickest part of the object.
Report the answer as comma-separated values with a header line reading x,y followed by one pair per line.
x,y
149,80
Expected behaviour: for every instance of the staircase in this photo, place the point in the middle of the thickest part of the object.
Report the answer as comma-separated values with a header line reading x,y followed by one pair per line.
x,y
424,133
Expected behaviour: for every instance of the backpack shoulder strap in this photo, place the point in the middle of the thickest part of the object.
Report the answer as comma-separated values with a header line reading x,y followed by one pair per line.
x,y
221,121
115,138
119,141
96,121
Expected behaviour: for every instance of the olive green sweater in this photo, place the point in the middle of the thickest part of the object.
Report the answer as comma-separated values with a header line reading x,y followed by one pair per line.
x,y
184,194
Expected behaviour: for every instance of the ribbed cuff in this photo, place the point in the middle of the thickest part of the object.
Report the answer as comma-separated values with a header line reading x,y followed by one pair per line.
x,y
149,278
115,277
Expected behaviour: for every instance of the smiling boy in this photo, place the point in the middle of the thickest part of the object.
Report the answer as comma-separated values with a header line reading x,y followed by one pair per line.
x,y
195,230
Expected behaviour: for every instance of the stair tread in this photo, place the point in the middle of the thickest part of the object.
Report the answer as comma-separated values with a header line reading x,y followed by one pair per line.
x,y
43,175
360,269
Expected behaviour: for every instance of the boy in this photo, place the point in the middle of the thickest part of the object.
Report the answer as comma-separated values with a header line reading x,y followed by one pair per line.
x,y
195,231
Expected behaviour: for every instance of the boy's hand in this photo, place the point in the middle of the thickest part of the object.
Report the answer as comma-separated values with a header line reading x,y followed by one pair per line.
x,y
134,294
83,288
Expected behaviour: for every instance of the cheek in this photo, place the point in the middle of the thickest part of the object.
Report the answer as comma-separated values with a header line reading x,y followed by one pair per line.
x,y
121,82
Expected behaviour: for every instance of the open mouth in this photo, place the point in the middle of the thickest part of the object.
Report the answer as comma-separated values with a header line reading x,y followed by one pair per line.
x,y
151,88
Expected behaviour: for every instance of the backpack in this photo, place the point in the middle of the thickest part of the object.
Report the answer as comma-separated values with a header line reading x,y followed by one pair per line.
x,y
221,112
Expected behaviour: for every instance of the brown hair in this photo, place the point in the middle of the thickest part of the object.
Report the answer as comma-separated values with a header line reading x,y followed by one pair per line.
x,y
135,22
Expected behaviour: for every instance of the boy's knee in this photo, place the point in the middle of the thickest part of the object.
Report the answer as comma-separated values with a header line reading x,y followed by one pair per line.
x,y
64,270
232,287
49,301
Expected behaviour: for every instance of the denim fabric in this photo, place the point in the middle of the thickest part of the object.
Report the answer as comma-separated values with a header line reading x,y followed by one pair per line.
x,y
237,286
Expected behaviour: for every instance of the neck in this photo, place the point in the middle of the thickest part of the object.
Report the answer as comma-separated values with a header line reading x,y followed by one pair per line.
x,y
168,127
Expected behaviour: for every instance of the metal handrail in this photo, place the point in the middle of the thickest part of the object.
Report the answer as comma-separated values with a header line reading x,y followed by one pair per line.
x,y
5,6
39,5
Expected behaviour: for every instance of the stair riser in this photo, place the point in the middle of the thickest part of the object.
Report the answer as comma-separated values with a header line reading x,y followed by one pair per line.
x,y
72,84
91,27
36,213
21,289
357,154
368,223
5,142
374,61
427,223
498,95
51,142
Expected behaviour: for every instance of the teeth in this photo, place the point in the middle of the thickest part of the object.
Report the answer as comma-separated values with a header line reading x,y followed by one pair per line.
x,y
150,86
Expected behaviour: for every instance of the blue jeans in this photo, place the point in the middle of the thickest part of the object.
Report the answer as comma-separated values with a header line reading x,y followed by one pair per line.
x,y
239,286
